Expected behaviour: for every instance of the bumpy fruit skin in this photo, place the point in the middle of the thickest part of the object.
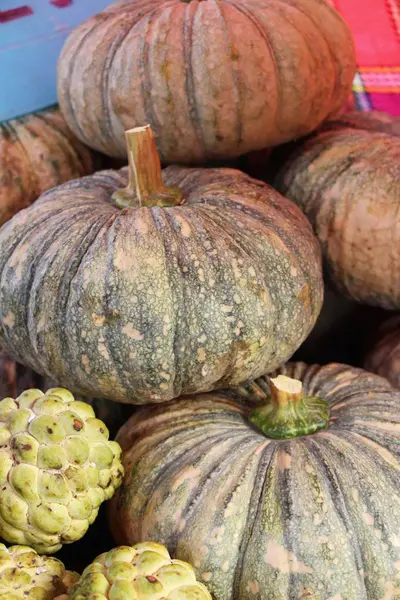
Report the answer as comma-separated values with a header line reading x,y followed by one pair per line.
x,y
24,575
56,468
142,572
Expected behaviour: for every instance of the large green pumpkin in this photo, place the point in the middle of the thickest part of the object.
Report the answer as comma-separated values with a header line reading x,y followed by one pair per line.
x,y
315,516
143,294
214,79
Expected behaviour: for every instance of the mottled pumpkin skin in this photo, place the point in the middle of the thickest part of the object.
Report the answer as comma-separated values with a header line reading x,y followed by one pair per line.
x,y
144,304
384,357
347,181
213,79
15,378
314,517
37,152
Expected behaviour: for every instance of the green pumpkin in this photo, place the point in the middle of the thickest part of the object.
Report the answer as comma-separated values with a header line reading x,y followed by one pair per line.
x,y
180,283
309,509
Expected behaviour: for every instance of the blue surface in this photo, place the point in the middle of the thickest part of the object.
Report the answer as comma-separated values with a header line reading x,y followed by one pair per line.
x,y
29,49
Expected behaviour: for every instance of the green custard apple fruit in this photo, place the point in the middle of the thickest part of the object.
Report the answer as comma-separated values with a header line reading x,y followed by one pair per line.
x,y
24,575
141,572
57,466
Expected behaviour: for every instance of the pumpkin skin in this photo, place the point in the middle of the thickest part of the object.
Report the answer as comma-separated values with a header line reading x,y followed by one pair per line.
x,y
384,357
373,120
213,79
316,516
144,304
37,152
346,180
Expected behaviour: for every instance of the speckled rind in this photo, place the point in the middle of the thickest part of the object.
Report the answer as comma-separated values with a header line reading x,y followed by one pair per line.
x,y
346,180
384,356
213,79
141,572
24,575
37,152
56,468
141,304
315,517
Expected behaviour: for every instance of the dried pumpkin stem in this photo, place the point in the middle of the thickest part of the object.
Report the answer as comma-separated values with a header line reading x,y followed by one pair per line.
x,y
145,187
289,413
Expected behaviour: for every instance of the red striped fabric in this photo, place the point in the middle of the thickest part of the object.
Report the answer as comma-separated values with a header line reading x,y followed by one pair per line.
x,y
375,25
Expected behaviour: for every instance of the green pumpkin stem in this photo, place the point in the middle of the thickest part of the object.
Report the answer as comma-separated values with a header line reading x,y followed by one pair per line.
x,y
145,187
289,413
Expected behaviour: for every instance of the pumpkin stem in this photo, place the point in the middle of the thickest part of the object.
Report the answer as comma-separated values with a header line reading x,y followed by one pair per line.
x,y
145,187
289,413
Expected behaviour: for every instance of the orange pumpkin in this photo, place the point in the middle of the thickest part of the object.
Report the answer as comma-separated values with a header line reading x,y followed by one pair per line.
x,y
213,79
345,178
37,152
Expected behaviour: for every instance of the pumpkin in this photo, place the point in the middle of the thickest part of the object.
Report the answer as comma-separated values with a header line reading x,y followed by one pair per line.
x,y
384,356
15,378
214,79
37,152
286,488
180,282
345,179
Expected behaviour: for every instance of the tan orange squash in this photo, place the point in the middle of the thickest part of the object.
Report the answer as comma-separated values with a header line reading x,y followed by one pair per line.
x,y
150,285
214,79
37,152
346,179
287,488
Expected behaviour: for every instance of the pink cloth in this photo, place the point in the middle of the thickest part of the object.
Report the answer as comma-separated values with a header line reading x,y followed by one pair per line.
x,y
375,25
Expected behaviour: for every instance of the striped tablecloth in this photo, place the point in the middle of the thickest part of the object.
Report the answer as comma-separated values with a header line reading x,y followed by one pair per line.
x,y
376,30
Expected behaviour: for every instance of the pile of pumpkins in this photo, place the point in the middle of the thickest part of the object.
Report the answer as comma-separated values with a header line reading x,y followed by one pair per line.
x,y
188,288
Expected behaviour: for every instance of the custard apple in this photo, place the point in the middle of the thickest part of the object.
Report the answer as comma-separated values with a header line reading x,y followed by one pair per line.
x,y
24,575
142,572
56,468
